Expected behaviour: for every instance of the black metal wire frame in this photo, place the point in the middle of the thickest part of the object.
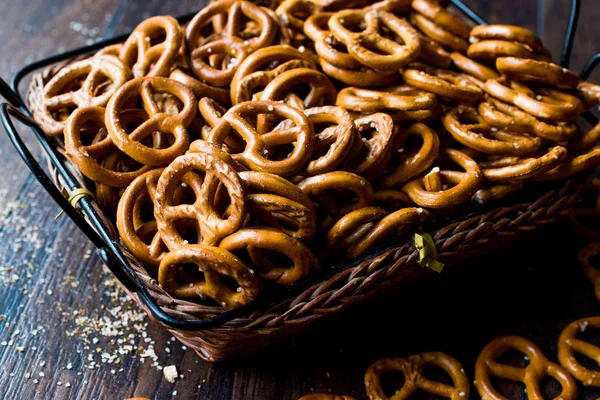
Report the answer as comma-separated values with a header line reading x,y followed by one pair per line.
x,y
92,224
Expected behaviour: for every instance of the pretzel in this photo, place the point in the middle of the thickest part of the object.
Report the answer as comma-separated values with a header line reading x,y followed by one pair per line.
x,y
390,200
441,17
146,58
568,344
212,262
325,396
466,184
508,33
490,50
294,13
434,54
516,169
253,156
584,141
505,116
365,100
438,34
360,77
522,69
468,128
256,240
543,103
574,164
589,93
54,98
496,192
231,50
472,67
448,85
201,90
411,165
131,144
531,375
376,150
592,274
322,91
213,227
349,230
249,73
412,368
391,55
333,5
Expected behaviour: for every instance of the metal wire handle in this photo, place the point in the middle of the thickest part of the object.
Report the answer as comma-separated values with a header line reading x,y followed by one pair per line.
x,y
94,227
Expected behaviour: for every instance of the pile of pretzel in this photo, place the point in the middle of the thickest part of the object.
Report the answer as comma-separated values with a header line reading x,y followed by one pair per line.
x,y
256,142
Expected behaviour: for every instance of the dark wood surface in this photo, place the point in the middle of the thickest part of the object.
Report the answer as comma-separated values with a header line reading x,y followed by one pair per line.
x,y
61,312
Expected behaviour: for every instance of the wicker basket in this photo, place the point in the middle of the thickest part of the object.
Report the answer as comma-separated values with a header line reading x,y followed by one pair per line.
x,y
397,265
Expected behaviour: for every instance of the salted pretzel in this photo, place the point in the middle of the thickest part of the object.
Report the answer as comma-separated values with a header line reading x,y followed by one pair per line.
x,y
213,262
573,164
545,103
212,225
472,67
591,272
365,100
509,169
439,34
495,192
364,77
509,33
376,149
568,345
325,396
433,11
254,156
146,58
465,183
589,93
258,240
505,116
232,51
531,375
55,98
523,69
411,164
201,90
294,13
131,143
322,91
434,54
350,228
391,55
468,128
585,140
448,85
412,368
88,158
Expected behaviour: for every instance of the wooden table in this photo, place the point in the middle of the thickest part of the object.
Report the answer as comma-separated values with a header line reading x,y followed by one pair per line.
x,y
59,309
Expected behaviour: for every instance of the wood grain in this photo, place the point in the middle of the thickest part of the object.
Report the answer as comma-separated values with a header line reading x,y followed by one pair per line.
x,y
52,286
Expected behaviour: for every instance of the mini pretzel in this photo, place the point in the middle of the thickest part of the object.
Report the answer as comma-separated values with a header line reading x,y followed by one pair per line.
x,y
412,368
322,91
92,70
365,100
441,17
505,116
434,54
471,67
391,55
584,141
531,375
412,165
349,230
220,95
546,103
589,93
232,51
253,156
131,144
574,164
522,69
496,192
468,128
508,33
249,73
325,396
213,227
391,200
521,169
592,273
375,151
439,34
568,344
147,59
87,157
360,77
466,184
317,188
213,262
294,13
449,85
490,50
257,240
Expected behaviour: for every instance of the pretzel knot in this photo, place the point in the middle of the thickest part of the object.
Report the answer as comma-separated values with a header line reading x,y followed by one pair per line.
x,y
258,241
258,147
390,55
365,100
531,375
568,345
468,128
56,96
574,164
146,58
440,34
506,169
322,92
159,120
523,69
375,152
212,225
449,85
428,191
213,263
412,368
